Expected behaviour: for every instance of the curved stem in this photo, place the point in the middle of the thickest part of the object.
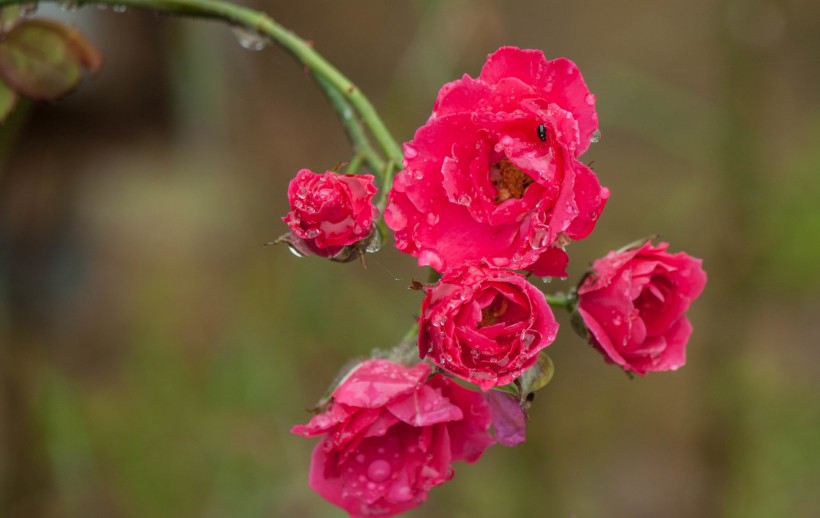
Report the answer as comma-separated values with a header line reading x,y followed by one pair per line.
x,y
265,26
353,127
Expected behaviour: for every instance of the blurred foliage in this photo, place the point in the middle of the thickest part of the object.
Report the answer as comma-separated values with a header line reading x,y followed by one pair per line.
x,y
154,355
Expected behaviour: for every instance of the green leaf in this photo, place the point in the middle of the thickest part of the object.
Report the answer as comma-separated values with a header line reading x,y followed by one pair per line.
x,y
536,377
44,60
8,100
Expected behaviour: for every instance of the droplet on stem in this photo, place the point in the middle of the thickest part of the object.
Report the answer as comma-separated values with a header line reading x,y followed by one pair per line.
x,y
250,39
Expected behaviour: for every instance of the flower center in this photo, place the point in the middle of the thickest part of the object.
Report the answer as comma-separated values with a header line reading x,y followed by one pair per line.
x,y
508,180
492,312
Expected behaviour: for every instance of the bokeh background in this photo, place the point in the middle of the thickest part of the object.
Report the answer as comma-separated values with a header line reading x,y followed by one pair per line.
x,y
153,354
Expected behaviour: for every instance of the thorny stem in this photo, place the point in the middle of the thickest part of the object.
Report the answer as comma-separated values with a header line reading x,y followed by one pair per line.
x,y
301,50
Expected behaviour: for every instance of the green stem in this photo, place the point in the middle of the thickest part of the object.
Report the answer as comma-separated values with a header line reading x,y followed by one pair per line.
x,y
387,180
561,300
353,127
264,25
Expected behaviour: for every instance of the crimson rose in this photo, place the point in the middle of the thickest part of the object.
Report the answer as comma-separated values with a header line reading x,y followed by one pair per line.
x,y
634,302
484,324
493,176
329,212
390,434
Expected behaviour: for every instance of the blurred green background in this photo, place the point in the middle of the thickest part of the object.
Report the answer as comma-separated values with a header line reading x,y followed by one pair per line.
x,y
153,354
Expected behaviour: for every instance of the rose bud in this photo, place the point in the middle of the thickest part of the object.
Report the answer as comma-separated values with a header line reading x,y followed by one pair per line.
x,y
390,434
633,304
330,214
494,176
484,324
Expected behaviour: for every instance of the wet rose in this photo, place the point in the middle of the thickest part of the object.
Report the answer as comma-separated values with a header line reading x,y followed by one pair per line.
x,y
390,434
484,324
493,175
634,305
329,212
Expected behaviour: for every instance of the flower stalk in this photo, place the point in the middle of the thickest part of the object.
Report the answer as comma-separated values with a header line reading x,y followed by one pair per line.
x,y
336,86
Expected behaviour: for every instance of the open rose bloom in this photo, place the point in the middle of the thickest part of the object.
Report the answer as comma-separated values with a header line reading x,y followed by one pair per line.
x,y
329,212
485,325
390,434
493,175
634,305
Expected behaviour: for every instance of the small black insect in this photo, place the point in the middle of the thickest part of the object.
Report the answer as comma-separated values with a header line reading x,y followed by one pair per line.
x,y
542,133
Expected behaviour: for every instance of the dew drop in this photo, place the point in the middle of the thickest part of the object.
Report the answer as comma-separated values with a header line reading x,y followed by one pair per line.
x,y
464,199
295,251
432,218
438,320
379,470
590,99
313,233
528,337
395,217
250,39
410,151
375,243
430,258
418,174
596,136
539,238
360,458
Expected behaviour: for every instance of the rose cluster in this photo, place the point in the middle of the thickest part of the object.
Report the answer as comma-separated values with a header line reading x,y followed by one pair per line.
x,y
492,191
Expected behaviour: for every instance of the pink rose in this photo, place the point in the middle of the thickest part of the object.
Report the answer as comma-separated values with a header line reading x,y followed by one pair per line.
x,y
484,324
493,176
329,212
390,434
634,302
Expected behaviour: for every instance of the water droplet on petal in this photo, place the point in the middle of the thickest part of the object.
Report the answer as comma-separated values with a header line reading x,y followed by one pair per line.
x,y
418,174
596,136
250,39
539,238
590,99
529,337
430,258
379,470
464,199
295,251
395,217
438,320
313,233
360,458
432,218
375,243
410,151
